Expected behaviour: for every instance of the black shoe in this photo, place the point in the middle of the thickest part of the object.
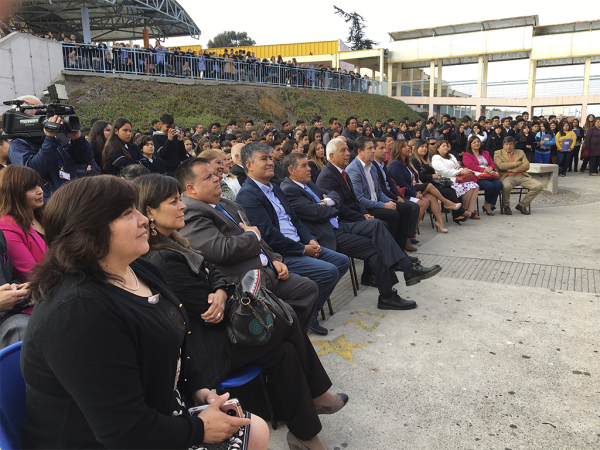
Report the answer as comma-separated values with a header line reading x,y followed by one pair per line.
x,y
316,328
369,281
395,302
414,241
420,273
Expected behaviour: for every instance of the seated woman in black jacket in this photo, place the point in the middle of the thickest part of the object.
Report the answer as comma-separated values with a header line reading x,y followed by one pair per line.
x,y
118,151
146,146
459,142
422,163
124,374
299,378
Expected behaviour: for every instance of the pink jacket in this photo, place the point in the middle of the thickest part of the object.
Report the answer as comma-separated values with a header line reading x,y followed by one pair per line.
x,y
25,250
470,161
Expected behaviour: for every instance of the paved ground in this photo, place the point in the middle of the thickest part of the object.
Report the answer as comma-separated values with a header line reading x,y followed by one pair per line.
x,y
502,352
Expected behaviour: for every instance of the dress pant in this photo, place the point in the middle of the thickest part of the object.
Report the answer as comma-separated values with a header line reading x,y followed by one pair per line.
x,y
297,291
326,271
520,180
296,371
402,222
362,247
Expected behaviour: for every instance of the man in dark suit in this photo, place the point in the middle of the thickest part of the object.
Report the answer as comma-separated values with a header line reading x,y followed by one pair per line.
x,y
400,217
368,239
268,209
237,168
215,226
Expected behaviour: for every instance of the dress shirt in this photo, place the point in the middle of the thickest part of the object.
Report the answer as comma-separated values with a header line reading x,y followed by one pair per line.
x,y
370,181
286,226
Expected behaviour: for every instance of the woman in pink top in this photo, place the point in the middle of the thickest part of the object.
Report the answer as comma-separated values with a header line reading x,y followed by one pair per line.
x,y
481,163
20,196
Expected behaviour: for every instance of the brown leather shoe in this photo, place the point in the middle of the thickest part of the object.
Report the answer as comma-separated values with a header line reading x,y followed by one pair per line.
x,y
507,211
409,247
522,209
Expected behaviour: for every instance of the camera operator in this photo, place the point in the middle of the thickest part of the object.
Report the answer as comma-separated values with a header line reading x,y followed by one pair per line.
x,y
168,144
55,164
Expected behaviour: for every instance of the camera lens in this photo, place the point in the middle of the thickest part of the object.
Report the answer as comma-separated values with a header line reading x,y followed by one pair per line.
x,y
231,412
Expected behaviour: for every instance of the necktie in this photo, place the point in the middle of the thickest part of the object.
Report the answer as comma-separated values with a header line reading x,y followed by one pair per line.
x,y
226,214
333,220
345,176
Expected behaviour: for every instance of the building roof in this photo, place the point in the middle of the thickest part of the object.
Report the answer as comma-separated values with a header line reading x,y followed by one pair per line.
x,y
562,28
109,19
464,28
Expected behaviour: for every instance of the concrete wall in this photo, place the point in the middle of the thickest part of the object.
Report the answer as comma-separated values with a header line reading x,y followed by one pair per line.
x,y
567,45
29,65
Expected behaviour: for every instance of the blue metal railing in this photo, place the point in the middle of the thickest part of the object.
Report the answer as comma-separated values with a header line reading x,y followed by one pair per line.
x,y
135,61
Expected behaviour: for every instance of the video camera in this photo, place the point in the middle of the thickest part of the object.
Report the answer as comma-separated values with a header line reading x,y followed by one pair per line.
x,y
16,123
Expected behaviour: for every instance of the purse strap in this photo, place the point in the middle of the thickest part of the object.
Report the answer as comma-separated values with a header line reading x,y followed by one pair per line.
x,y
283,315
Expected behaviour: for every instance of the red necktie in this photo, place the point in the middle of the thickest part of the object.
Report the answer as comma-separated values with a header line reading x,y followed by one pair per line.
x,y
345,176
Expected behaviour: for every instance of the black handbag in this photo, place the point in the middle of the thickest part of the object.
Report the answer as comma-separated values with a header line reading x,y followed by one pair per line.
x,y
442,182
252,310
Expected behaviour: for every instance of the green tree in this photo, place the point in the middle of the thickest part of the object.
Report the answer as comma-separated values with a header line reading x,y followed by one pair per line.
x,y
356,39
231,39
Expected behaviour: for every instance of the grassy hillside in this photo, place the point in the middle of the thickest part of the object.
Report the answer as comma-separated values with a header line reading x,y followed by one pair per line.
x,y
143,101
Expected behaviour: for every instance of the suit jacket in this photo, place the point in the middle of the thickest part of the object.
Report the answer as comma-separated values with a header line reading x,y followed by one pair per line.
x,y
470,161
388,187
278,177
314,216
360,185
263,215
25,250
239,172
503,164
221,242
350,208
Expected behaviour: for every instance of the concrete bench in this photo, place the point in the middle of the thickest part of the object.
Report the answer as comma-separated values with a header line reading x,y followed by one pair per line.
x,y
547,174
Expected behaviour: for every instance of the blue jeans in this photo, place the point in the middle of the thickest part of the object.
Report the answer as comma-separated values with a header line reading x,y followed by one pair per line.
x,y
542,157
492,190
563,159
326,271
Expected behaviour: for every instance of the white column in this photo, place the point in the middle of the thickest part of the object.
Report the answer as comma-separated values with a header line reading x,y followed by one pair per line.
x,y
531,79
381,61
484,76
431,77
479,76
390,78
439,78
586,75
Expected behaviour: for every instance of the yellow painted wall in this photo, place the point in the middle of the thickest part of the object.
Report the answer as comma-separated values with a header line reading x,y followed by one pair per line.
x,y
285,50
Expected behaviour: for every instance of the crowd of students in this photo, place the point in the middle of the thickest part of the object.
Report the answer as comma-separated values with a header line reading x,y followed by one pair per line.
x,y
133,240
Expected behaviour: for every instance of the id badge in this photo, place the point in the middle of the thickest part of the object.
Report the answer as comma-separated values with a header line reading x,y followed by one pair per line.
x,y
64,175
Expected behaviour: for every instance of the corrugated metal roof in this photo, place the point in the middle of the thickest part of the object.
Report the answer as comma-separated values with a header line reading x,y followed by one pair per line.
x,y
464,28
562,28
109,19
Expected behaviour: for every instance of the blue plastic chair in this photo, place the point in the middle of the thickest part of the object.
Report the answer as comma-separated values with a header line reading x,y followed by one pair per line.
x,y
12,397
243,376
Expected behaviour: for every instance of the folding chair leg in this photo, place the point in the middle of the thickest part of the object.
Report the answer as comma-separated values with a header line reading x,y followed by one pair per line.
x,y
330,307
353,277
268,401
431,218
323,313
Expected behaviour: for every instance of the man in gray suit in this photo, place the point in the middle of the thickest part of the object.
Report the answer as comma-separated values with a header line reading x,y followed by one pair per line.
x,y
215,227
401,217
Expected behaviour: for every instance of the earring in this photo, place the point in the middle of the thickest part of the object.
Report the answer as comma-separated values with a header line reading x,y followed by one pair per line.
x,y
153,231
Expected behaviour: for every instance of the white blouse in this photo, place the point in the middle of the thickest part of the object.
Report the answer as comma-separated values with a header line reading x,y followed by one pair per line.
x,y
233,183
446,167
